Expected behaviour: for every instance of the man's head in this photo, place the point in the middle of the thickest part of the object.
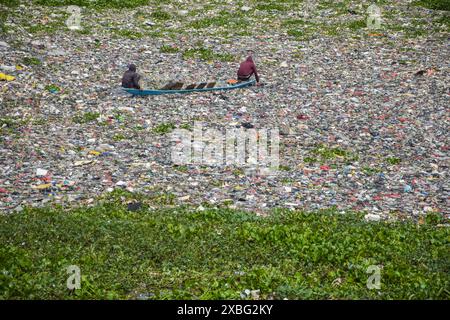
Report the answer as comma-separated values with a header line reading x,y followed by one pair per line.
x,y
132,67
250,54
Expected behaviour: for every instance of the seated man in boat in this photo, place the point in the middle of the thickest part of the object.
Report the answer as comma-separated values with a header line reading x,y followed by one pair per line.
x,y
131,78
247,69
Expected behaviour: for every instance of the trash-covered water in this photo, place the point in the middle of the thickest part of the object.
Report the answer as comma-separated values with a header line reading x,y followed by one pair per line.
x,y
363,121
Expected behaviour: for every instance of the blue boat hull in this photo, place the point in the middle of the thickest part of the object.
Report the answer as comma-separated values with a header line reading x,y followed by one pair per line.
x,y
137,92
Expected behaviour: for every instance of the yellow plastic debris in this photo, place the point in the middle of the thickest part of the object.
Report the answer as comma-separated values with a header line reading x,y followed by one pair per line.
x,y
6,77
94,153
43,186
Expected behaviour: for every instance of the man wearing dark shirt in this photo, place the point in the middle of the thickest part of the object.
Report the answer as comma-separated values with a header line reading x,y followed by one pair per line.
x,y
131,78
247,69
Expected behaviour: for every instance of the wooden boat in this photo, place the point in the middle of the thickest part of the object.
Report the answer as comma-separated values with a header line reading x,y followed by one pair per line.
x,y
189,89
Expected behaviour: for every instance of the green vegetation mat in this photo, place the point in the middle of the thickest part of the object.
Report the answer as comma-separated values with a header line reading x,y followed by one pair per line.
x,y
181,253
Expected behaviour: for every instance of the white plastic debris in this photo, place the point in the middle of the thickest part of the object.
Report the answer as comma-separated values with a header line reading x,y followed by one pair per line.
x,y
41,172
372,217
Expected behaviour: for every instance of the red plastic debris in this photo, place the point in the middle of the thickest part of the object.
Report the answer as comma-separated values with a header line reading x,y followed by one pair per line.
x,y
302,117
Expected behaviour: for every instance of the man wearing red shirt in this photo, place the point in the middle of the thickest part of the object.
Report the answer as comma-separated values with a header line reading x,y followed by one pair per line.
x,y
247,69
